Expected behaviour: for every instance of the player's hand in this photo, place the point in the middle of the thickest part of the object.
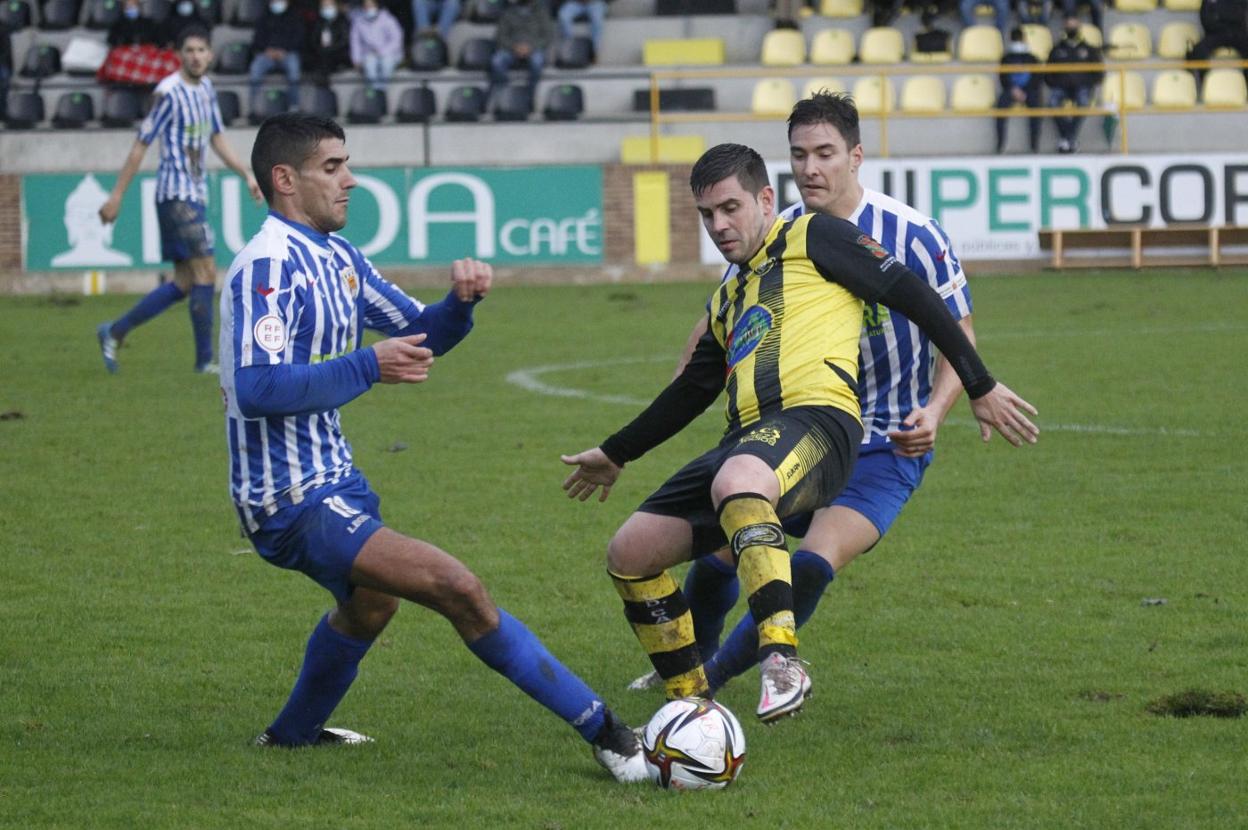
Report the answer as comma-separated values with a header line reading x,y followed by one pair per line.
x,y
1003,410
403,359
109,210
253,187
593,470
919,437
471,279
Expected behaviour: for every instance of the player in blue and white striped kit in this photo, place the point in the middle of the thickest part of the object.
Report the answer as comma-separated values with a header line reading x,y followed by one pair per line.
x,y
187,120
297,302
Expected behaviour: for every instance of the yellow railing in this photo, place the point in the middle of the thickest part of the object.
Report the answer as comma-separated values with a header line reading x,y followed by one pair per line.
x,y
1121,110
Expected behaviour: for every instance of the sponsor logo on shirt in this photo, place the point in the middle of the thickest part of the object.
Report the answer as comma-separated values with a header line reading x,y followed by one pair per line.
x,y
748,332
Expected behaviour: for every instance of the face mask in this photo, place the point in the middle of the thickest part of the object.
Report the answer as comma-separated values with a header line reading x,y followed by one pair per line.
x,y
277,8
329,12
185,8
371,14
1018,48
130,12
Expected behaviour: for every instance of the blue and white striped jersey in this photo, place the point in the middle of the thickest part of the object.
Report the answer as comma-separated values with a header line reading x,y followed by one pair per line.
x,y
896,361
185,117
295,296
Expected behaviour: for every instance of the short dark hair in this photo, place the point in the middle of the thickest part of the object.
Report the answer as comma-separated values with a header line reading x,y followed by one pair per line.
x,y
834,108
725,160
288,138
191,30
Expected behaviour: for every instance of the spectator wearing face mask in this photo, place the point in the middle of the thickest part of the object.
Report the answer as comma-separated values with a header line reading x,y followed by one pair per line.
x,y
1073,87
329,43
133,28
376,43
1022,86
183,14
276,44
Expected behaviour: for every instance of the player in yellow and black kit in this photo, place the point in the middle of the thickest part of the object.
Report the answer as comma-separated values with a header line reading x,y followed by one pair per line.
x,y
782,341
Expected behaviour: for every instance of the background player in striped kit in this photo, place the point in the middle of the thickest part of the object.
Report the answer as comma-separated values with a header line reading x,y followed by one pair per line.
x,y
293,314
186,118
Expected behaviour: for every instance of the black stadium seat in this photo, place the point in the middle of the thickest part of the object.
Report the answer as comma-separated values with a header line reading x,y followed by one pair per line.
x,y
42,61
25,110
416,105
465,103
234,59
73,111
574,53
58,15
368,106
228,103
101,14
428,54
318,100
269,102
246,13
475,54
14,14
209,10
514,103
122,107
564,102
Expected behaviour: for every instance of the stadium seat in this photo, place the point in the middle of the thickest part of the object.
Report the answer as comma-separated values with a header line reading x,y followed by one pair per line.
x,y
42,61
465,103
429,54
485,11
1039,40
973,93
417,105
823,85
73,111
881,45
513,102
874,95
1224,88
122,107
25,110
1176,38
233,58
840,8
14,15
58,15
268,102
1135,5
783,47
1125,86
574,53
102,13
1182,5
773,96
367,106
1129,42
231,108
1174,89
564,102
980,44
209,10
475,54
246,13
318,100
672,149
832,47
1225,52
706,51
156,10
1091,35
923,93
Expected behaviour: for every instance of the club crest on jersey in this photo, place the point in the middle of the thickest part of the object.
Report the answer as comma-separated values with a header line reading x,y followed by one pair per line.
x,y
765,266
748,332
350,280
876,249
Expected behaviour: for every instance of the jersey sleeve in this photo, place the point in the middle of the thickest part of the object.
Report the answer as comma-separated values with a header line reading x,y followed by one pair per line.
x,y
386,308
262,313
845,255
931,256
156,120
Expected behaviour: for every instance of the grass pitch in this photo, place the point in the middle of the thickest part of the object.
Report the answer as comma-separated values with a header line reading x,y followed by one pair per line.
x,y
995,662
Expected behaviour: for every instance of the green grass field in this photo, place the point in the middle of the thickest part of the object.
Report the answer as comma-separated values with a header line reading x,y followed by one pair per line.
x,y
989,665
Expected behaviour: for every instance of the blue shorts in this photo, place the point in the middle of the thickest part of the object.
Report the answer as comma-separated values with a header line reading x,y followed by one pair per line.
x,y
184,231
322,535
878,488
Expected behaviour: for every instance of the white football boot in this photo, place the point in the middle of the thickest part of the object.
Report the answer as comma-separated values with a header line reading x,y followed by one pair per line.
x,y
328,737
785,687
618,750
646,682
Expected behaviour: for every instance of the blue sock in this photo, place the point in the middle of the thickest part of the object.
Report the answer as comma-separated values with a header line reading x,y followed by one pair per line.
x,y
330,664
157,300
515,652
201,322
811,575
711,590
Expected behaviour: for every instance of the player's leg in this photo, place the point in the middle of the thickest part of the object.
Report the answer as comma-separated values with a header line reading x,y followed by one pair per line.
x,y
203,276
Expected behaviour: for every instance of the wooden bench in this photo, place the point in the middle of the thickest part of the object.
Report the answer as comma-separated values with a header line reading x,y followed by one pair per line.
x,y
1073,248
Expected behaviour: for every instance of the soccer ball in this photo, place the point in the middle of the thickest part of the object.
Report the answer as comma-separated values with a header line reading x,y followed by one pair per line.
x,y
693,744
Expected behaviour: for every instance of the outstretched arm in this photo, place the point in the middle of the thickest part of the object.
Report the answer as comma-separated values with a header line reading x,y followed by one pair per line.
x,y
921,424
110,209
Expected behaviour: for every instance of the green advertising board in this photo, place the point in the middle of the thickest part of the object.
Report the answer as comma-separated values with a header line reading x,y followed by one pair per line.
x,y
398,216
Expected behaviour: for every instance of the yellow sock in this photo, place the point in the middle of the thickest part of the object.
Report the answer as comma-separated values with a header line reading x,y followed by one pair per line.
x,y
758,544
660,618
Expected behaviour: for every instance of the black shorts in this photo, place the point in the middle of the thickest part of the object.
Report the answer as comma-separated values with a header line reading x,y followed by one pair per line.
x,y
811,449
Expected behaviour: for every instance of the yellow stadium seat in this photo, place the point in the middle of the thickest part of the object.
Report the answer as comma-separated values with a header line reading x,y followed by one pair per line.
x,y
980,44
1129,42
840,8
1039,40
1135,5
783,47
972,93
693,51
823,85
1176,38
832,47
881,44
1174,89
1224,88
773,96
1091,35
1225,52
874,95
1112,90
673,149
923,93
1182,5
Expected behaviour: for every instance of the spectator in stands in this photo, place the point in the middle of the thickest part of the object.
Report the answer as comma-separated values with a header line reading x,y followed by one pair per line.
x,y
446,10
1073,87
785,12
1226,24
525,31
6,69
1035,11
884,12
1001,10
930,39
133,28
1021,87
329,43
376,43
572,10
276,44
183,15
1096,10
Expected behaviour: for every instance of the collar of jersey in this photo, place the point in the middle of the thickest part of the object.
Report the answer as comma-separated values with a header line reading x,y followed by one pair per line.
x,y
316,236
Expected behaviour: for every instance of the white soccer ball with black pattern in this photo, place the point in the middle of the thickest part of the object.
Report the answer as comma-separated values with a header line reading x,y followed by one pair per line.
x,y
694,744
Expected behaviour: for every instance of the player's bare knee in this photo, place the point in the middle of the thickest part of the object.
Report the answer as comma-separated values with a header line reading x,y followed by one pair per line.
x,y
465,601
622,556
